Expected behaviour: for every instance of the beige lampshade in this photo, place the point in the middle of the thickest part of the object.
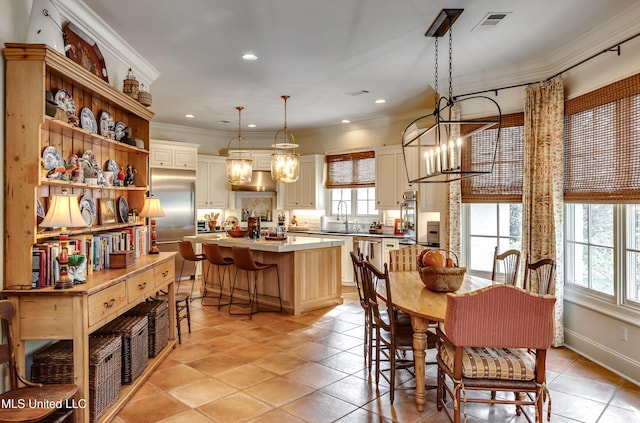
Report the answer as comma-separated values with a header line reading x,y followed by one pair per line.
x,y
152,208
64,212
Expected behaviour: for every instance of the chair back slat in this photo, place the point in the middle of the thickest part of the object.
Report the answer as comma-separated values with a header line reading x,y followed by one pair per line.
x,y
538,276
510,261
358,274
372,277
405,258
500,316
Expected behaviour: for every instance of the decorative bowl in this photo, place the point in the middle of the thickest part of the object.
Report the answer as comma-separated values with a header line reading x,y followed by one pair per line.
x,y
442,279
237,233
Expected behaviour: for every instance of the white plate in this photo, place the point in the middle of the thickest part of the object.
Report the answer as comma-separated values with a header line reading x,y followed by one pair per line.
x,y
51,158
111,166
88,120
123,209
107,126
119,130
88,209
65,101
39,211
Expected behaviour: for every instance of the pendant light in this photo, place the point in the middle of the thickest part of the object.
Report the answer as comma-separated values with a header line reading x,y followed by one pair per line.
x,y
441,147
284,160
239,160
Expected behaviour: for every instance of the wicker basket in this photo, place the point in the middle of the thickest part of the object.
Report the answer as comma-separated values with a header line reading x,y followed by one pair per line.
x,y
441,278
135,344
144,97
130,86
157,313
54,364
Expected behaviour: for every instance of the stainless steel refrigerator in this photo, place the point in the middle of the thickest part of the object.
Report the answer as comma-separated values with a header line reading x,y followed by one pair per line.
x,y
176,189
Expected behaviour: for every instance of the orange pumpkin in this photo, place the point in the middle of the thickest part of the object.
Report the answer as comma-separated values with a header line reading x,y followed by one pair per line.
x,y
449,262
433,258
421,255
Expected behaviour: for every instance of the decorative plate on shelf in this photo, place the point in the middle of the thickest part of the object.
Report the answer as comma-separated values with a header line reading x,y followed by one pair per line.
x,y
111,166
231,221
88,209
107,126
39,211
84,51
123,209
88,120
119,130
65,101
51,158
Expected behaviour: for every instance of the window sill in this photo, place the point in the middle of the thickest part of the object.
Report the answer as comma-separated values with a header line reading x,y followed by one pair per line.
x,y
602,305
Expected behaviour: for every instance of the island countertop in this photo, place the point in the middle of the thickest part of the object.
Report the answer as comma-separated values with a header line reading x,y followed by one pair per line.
x,y
292,243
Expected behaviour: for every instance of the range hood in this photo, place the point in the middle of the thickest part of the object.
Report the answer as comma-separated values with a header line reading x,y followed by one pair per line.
x,y
260,182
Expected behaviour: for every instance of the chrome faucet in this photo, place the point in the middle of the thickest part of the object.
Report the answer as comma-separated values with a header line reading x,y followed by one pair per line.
x,y
346,218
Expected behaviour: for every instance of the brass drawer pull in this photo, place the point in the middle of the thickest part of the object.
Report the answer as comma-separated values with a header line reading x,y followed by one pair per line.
x,y
165,273
110,303
142,285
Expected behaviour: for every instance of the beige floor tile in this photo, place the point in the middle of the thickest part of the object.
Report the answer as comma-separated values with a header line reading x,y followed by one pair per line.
x,y
276,416
258,334
279,391
617,415
175,376
280,363
353,390
185,354
336,325
583,367
596,390
245,376
346,362
313,351
146,391
226,342
319,407
363,416
149,412
315,375
201,392
238,407
190,416
628,396
577,408
340,341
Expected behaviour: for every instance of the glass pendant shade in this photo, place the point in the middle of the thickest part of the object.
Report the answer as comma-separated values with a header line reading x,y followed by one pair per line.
x,y
239,160
285,162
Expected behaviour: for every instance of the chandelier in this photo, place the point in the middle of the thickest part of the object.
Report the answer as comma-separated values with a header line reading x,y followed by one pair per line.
x,y
441,147
284,160
239,160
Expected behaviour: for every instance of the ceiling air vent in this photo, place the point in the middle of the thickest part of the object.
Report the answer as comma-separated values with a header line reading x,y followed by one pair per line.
x,y
490,20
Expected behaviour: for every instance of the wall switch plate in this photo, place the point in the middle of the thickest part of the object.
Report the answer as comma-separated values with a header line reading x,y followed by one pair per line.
x,y
624,335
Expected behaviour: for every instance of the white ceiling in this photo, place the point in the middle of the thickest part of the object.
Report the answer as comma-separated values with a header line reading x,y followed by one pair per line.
x,y
320,52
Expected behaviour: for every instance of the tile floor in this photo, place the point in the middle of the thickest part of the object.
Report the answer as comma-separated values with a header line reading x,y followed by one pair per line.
x,y
309,368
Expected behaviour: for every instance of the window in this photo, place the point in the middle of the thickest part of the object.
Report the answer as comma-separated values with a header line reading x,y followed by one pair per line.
x,y
363,198
632,236
589,242
490,225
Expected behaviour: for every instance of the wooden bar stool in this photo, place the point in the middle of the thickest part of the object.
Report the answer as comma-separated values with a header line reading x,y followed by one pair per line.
x,y
222,264
188,254
243,259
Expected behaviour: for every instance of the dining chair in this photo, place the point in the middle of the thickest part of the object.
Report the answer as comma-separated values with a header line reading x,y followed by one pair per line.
x,y
223,267
484,347
539,275
188,254
358,272
510,262
243,260
16,400
405,258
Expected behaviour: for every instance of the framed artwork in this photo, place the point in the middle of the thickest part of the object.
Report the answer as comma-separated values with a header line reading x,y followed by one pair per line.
x,y
107,211
84,51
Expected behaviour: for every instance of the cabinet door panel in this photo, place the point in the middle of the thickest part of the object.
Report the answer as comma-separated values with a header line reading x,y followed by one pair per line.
x,y
161,156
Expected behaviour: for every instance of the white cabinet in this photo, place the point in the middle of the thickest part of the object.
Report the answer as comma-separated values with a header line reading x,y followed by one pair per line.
x,y
262,159
388,244
433,198
211,182
169,154
391,177
308,191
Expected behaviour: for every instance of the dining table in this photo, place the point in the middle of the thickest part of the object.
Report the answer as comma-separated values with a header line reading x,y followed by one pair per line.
x,y
409,294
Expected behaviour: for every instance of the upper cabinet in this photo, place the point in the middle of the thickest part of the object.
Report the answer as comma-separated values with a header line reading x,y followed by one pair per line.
x,y
169,154
211,182
308,191
391,177
262,159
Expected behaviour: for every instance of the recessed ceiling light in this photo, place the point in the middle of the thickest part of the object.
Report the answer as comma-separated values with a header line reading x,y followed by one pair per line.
x,y
346,121
251,125
380,101
249,56
189,115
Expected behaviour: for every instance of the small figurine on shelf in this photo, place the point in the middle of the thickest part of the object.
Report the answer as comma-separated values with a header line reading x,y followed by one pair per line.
x,y
77,268
120,178
65,171
128,180
294,221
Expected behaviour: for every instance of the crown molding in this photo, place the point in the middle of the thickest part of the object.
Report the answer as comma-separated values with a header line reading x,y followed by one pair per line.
x,y
107,39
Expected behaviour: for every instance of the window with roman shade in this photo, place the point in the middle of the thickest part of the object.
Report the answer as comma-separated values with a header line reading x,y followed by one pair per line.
x,y
602,144
351,170
504,184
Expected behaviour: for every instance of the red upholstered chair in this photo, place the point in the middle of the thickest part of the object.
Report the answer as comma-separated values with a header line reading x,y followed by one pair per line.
x,y
53,394
222,265
484,347
243,260
538,275
510,262
405,258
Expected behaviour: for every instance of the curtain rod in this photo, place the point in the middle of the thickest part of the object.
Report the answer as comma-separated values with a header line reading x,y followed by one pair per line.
x,y
615,47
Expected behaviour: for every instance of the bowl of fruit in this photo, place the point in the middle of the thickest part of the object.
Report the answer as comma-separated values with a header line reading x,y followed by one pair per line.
x,y
439,270
237,232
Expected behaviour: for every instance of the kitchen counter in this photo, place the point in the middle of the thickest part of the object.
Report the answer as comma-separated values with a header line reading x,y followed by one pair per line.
x,y
338,233
309,269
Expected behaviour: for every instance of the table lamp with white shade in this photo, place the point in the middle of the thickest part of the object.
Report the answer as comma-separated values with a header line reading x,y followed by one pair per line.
x,y
63,213
152,209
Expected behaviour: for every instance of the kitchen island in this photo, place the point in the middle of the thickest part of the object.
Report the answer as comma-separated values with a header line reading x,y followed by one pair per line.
x,y
310,270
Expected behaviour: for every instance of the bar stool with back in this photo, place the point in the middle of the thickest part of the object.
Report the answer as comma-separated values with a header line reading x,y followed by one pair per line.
x,y
188,254
222,264
243,260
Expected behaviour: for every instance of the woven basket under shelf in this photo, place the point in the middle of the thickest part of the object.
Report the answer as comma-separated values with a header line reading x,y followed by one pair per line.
x,y
157,313
135,344
54,364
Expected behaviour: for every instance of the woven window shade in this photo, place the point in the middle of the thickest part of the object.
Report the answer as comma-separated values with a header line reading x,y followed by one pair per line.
x,y
504,184
351,170
602,144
